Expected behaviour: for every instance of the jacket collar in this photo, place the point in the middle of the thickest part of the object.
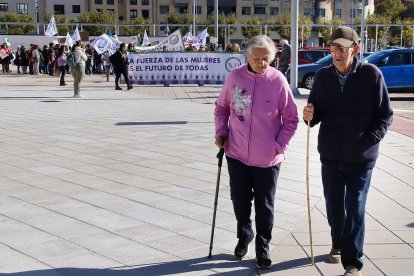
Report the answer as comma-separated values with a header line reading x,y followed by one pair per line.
x,y
355,65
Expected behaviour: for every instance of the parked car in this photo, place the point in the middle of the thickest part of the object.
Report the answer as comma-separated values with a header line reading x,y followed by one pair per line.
x,y
397,66
306,72
308,55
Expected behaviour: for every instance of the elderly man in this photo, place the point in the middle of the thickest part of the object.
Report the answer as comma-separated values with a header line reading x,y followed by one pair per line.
x,y
350,100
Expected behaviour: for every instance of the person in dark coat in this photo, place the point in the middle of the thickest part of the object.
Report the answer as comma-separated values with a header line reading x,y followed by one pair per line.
x,y
120,64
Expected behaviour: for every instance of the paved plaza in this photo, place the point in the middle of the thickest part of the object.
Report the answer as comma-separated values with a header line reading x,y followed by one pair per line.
x,y
123,183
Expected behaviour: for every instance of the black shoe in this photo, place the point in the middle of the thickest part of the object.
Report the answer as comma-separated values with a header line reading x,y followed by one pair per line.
x,y
263,261
118,88
242,247
130,87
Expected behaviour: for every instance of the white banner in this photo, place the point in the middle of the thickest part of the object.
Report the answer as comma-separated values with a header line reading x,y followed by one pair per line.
x,y
51,28
182,67
174,42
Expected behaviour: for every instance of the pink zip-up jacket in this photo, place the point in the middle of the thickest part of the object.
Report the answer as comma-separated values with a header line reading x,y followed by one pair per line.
x,y
258,114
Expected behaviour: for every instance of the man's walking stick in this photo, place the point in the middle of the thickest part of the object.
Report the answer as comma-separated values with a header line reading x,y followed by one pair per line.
x,y
307,193
220,162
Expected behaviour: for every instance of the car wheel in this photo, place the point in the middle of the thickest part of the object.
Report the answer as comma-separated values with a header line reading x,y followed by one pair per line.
x,y
308,81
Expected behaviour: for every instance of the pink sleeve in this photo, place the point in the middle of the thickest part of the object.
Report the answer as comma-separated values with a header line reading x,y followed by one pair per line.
x,y
289,113
222,110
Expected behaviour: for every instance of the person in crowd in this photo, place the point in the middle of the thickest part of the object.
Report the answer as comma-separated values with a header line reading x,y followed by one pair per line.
x,y
51,59
190,48
228,48
350,100
18,58
44,63
89,54
78,71
165,49
235,48
131,48
255,92
61,63
106,63
212,47
120,64
30,59
284,56
97,62
36,57
202,48
5,61
24,59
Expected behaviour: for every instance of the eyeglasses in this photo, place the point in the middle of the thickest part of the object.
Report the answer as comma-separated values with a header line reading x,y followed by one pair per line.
x,y
342,49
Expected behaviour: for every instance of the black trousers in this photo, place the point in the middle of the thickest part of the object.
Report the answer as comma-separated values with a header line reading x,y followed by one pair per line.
x,y
124,72
248,183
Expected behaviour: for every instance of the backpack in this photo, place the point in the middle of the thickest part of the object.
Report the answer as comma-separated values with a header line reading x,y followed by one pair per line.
x,y
71,60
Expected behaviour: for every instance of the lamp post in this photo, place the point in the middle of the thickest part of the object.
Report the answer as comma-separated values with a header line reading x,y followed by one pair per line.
x,y
37,15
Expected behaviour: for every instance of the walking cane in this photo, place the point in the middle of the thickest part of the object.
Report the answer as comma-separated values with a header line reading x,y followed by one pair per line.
x,y
220,162
307,193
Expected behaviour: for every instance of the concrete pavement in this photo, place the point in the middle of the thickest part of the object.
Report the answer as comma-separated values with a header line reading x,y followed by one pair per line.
x,y
122,183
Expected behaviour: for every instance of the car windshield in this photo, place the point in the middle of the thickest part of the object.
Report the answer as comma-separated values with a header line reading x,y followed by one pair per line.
x,y
374,57
327,59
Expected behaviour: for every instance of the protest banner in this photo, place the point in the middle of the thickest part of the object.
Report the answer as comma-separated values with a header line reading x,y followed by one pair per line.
x,y
182,67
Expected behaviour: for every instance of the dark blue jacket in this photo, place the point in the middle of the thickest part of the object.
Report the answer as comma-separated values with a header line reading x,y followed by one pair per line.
x,y
354,118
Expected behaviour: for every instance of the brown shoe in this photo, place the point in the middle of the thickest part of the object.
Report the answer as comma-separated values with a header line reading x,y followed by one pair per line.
x,y
352,271
334,256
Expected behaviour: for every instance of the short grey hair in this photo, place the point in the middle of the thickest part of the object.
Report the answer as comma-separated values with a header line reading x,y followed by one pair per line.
x,y
261,41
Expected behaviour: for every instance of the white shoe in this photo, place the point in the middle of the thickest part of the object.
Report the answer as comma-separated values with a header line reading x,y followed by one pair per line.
x,y
78,96
352,271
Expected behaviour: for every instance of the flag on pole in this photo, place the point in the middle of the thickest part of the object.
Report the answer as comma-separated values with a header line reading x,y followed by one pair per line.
x,y
76,35
166,31
104,43
51,28
145,41
188,38
68,41
7,41
202,37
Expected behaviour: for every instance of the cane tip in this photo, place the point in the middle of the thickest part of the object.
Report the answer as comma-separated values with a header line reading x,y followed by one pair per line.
x,y
209,256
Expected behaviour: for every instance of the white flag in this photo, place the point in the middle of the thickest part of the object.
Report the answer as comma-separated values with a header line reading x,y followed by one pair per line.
x,y
51,28
202,37
76,35
104,43
145,41
173,42
188,38
68,41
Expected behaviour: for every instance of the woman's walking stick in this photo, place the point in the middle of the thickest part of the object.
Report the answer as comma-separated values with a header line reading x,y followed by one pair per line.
x,y
307,193
220,162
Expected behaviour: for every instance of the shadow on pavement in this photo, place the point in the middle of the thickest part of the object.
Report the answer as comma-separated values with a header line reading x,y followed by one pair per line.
x,y
225,263
296,263
410,225
150,123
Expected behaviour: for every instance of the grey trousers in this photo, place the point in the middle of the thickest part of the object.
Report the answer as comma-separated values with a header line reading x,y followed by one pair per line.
x,y
78,73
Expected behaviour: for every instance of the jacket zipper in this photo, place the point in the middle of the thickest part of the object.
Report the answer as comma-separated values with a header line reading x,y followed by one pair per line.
x,y
251,121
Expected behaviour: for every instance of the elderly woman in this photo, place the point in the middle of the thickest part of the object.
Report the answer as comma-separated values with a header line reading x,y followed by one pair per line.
x,y
255,118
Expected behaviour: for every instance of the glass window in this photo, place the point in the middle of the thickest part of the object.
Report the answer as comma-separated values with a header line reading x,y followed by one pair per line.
x,y
75,8
59,9
198,9
110,2
98,2
164,9
308,11
144,2
21,8
274,11
338,13
133,14
4,7
246,11
181,9
322,12
133,2
259,10
145,14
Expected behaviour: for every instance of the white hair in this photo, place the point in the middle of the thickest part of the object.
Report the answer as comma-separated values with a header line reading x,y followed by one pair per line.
x,y
284,42
261,41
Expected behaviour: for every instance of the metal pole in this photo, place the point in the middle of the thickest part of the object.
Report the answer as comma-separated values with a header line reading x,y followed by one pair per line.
x,y
362,50
376,38
194,17
216,20
412,43
294,16
302,37
401,39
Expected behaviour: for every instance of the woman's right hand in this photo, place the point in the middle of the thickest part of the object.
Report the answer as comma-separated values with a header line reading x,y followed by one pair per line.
x,y
221,142
308,111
